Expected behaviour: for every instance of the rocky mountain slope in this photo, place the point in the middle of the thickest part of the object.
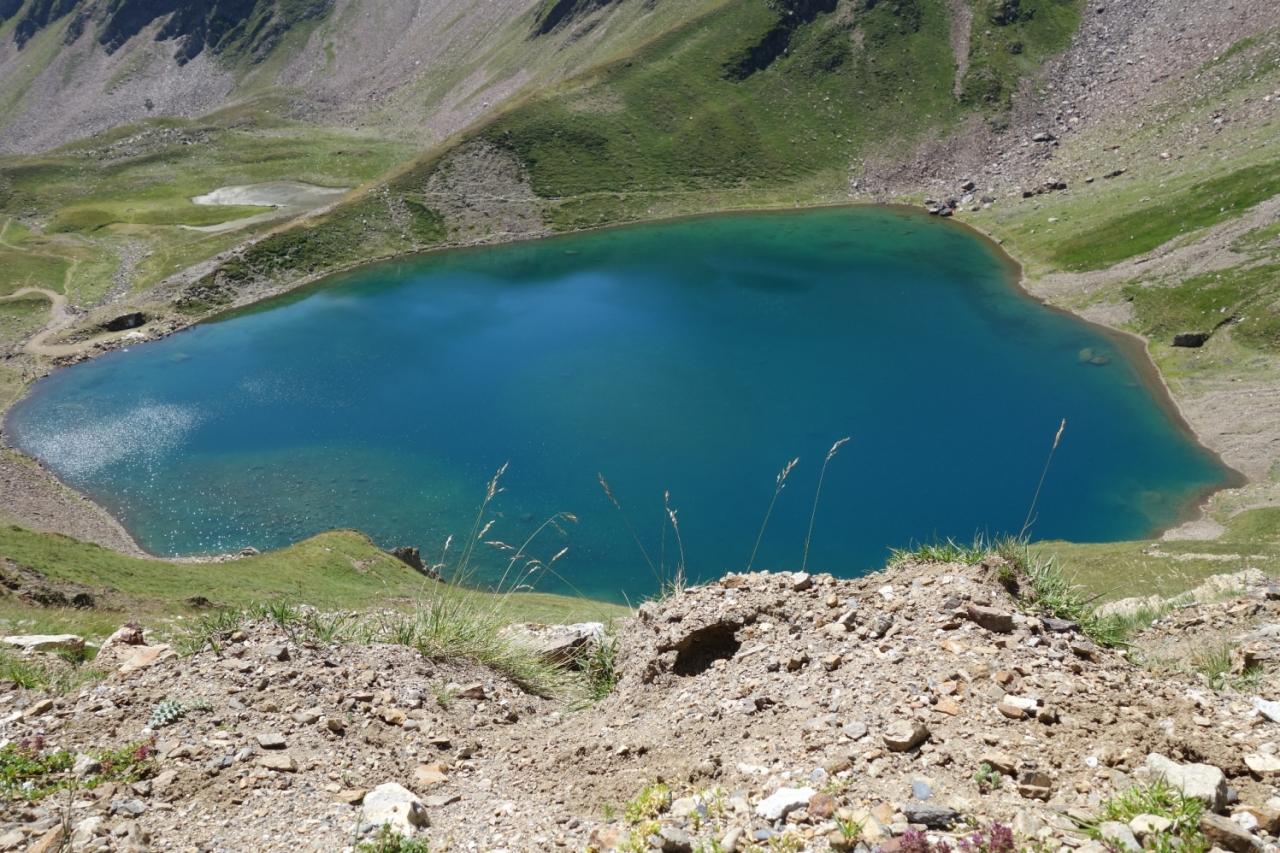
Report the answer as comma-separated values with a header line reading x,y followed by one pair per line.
x,y
920,706
423,70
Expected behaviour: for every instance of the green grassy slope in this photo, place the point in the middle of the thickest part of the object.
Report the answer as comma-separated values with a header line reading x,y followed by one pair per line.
x,y
338,570
1178,183
752,103
1113,570
84,202
1009,39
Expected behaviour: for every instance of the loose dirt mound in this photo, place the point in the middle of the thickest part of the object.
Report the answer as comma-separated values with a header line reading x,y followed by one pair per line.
x,y
775,708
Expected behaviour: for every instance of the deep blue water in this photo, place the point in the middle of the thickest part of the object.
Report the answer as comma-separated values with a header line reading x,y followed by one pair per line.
x,y
695,357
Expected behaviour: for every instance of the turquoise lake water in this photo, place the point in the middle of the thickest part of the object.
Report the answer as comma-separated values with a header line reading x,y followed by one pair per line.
x,y
696,357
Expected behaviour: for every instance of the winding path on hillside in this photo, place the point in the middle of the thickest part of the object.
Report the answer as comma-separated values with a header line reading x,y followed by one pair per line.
x,y
60,317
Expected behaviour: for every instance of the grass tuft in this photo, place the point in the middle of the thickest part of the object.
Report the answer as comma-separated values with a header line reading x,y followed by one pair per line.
x,y
1217,664
389,841
33,674
944,551
1162,800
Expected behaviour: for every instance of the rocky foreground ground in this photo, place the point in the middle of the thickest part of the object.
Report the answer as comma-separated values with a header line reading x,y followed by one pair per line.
x,y
921,706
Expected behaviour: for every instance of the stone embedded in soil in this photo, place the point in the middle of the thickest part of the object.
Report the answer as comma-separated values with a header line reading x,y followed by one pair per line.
x,y
1227,834
1268,709
783,802
932,817
1147,824
1262,763
1017,707
1118,836
821,806
426,775
472,691
278,761
271,740
994,620
1204,782
1035,785
143,657
675,840
557,644
393,805
44,642
904,735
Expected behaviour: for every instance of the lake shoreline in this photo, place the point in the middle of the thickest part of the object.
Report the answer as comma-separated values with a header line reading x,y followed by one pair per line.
x,y
1134,347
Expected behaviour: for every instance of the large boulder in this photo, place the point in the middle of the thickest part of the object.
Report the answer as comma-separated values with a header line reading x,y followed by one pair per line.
x,y
1191,340
1204,782
124,322
393,805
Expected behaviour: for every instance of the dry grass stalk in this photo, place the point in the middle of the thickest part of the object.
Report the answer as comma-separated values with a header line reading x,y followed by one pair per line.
x,y
780,483
813,514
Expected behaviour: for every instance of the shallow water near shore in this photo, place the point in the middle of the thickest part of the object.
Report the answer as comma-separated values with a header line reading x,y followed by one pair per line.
x,y
695,357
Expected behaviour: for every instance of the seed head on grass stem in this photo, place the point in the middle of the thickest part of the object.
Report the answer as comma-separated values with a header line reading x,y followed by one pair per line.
x,y
676,584
779,484
608,493
1031,510
835,448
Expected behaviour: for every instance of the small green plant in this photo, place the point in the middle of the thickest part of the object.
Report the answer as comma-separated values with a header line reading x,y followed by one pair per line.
x,y
1217,664
988,778
836,785
1162,800
389,841
329,628
444,693
30,772
76,655
1042,587
786,842
637,840
850,829
599,666
170,711
210,631
653,800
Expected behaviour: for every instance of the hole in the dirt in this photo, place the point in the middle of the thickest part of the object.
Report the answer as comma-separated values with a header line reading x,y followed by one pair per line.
x,y
704,647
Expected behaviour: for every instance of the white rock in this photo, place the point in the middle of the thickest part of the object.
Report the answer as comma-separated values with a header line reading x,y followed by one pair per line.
x,y
783,802
44,642
1017,707
1268,709
1118,835
1260,762
394,805
84,765
1203,781
557,644
1148,824
85,831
